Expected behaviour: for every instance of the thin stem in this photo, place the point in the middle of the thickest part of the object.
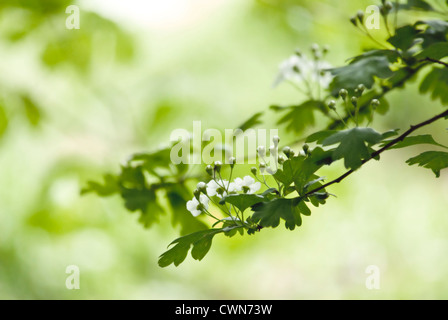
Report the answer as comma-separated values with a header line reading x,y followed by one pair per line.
x,y
209,214
298,88
347,108
378,152
340,118
367,33
217,205
385,90
386,23
396,16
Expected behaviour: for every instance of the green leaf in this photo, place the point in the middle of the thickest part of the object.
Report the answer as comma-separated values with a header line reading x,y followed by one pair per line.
x,y
435,51
242,201
404,37
251,122
310,183
362,71
436,82
434,160
315,160
201,242
145,201
389,133
299,117
352,145
391,55
416,5
320,136
268,214
300,170
151,161
109,187
435,31
177,198
414,140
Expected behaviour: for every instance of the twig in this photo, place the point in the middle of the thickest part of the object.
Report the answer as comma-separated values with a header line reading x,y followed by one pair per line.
x,y
378,152
435,61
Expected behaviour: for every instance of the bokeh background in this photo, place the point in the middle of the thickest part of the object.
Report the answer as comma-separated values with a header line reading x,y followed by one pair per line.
x,y
76,103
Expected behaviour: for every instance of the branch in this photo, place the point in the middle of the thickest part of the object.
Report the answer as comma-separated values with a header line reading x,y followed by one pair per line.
x,y
378,152
338,122
435,61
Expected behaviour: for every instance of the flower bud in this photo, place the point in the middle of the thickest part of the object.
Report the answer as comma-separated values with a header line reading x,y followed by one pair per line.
x,y
325,49
276,140
254,171
388,5
360,16
291,153
281,159
196,194
261,151
354,101
361,88
218,165
209,170
343,93
354,21
375,103
232,162
287,151
201,186
306,148
332,105
298,52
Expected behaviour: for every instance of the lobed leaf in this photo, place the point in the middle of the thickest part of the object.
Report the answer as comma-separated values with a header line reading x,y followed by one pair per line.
x,y
434,160
201,242
352,145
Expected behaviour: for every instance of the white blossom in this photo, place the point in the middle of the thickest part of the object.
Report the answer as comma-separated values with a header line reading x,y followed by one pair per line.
x,y
247,184
219,189
299,69
192,205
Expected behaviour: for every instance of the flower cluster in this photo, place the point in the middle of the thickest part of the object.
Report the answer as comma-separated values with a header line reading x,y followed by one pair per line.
x,y
299,69
220,188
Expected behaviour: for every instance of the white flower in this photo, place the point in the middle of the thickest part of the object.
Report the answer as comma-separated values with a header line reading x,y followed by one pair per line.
x,y
192,205
247,184
215,189
299,69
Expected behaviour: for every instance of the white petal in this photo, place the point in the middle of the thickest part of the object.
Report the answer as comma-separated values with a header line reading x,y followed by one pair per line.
x,y
255,187
248,180
204,200
192,204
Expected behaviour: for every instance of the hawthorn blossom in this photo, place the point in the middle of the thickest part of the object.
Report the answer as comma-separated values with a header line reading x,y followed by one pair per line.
x,y
247,185
196,207
298,69
221,189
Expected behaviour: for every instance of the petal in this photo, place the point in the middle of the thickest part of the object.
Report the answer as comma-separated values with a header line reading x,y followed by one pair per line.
x,y
248,180
195,213
204,199
255,187
192,204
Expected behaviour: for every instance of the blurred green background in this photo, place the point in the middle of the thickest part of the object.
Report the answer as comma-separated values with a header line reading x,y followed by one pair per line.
x,y
75,103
